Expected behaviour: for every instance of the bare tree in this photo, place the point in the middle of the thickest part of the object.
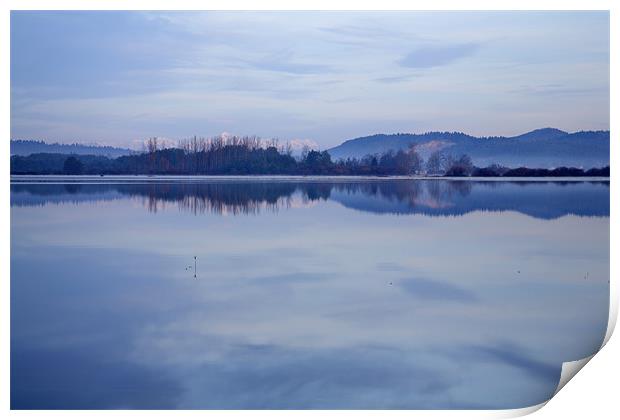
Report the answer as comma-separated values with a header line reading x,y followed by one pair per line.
x,y
463,166
304,152
288,148
151,146
436,163
415,160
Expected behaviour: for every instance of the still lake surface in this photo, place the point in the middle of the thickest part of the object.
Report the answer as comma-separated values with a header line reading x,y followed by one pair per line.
x,y
415,294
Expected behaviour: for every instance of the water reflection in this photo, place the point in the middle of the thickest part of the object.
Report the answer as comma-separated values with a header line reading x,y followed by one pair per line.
x,y
546,200
312,302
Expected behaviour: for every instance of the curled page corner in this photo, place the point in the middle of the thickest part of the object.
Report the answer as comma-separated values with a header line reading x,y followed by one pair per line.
x,y
570,369
611,326
613,312
520,412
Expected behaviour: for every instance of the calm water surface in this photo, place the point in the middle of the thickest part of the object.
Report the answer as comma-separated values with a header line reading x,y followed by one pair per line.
x,y
367,294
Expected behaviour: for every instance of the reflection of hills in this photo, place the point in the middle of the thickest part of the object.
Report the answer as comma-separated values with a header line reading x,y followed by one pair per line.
x,y
545,200
430,197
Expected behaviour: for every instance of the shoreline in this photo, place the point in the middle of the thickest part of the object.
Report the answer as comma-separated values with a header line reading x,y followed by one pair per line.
x,y
115,179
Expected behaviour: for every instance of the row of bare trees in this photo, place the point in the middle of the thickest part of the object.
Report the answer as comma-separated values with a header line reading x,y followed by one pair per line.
x,y
195,144
440,163
219,154
251,154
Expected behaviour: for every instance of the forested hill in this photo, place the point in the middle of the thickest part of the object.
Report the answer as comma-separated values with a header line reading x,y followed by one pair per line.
x,y
543,148
28,147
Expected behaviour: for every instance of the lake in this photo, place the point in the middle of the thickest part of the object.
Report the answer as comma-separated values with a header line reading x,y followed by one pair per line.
x,y
137,292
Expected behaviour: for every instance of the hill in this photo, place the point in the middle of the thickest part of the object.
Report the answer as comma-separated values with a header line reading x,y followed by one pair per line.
x,y
28,147
542,148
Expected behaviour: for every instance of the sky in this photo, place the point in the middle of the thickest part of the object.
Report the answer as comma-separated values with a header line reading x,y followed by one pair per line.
x,y
315,78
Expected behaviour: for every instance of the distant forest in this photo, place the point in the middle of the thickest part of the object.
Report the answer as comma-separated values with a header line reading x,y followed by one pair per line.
x,y
252,156
541,148
28,147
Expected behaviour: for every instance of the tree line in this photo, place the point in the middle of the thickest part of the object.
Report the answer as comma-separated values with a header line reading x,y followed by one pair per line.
x,y
220,156
251,155
442,164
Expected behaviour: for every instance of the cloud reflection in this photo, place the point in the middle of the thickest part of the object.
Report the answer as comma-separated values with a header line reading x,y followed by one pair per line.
x,y
436,290
296,310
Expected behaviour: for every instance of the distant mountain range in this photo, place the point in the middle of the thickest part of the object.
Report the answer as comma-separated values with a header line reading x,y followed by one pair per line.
x,y
542,148
28,147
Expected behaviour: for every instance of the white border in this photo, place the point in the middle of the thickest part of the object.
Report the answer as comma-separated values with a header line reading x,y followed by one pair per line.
x,y
594,386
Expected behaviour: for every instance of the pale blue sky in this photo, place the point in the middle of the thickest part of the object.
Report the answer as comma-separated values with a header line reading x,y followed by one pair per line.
x,y
120,77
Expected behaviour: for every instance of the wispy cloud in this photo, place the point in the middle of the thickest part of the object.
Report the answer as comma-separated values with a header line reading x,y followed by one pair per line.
x,y
435,56
285,62
356,34
394,79
556,89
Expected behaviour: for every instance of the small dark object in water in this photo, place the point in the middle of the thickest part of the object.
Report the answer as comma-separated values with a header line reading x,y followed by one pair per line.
x,y
518,271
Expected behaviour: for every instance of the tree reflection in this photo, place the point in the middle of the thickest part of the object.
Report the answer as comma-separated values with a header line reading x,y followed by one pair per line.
x,y
429,197
215,198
